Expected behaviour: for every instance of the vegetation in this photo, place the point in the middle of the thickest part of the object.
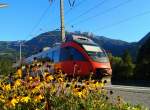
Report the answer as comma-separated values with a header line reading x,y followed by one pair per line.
x,y
143,62
6,66
54,92
122,67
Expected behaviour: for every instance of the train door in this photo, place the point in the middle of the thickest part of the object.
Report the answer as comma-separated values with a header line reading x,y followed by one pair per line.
x,y
56,57
81,65
74,62
66,61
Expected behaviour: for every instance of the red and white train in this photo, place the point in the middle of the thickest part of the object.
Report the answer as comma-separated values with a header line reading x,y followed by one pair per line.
x,y
78,56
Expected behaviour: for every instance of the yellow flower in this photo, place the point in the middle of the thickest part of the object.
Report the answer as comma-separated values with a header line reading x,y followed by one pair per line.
x,y
49,78
38,98
79,94
53,88
30,78
46,74
85,92
101,84
14,102
7,87
38,86
34,90
97,84
19,73
25,99
2,98
17,82
60,80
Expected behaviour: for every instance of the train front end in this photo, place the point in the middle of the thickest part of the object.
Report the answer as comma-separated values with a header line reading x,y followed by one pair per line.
x,y
97,57
99,61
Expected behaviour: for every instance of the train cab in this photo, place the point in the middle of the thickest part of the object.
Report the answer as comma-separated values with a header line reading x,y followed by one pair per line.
x,y
83,56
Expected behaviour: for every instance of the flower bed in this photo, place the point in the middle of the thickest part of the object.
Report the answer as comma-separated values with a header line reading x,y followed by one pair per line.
x,y
56,92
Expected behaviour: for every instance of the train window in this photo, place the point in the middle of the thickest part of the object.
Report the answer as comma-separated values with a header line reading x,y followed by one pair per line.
x,y
92,48
64,54
50,55
76,55
56,56
70,53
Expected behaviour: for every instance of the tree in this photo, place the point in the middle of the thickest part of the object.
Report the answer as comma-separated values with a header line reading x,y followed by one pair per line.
x,y
5,66
143,61
127,57
127,67
122,67
115,64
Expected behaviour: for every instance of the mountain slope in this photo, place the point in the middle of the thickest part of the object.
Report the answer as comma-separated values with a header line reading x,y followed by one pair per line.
x,y
48,39
116,47
144,39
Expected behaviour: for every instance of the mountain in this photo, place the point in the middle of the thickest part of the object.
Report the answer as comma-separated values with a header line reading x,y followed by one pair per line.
x,y
48,39
6,49
144,39
116,47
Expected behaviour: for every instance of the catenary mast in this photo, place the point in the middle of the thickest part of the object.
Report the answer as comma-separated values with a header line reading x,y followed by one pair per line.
x,y
62,20
62,17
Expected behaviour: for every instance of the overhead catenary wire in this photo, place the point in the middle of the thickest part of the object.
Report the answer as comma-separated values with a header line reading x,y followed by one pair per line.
x,y
38,22
75,6
71,3
89,10
123,20
51,1
42,16
101,13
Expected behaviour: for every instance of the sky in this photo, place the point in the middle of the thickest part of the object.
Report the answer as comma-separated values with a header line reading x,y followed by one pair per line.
x,y
127,20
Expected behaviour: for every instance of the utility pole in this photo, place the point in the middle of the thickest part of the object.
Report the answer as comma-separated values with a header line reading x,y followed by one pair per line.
x,y
62,20
62,17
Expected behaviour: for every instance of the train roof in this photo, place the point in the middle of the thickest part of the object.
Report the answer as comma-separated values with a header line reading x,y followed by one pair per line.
x,y
75,38
30,59
80,39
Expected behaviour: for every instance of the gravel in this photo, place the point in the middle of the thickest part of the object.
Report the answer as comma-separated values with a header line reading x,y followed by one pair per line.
x,y
133,97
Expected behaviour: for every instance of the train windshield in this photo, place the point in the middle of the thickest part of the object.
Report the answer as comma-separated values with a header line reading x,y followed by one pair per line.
x,y
96,53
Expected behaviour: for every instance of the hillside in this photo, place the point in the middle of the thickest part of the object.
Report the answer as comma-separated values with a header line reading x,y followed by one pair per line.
x,y
48,39
116,47
7,50
143,61
144,39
